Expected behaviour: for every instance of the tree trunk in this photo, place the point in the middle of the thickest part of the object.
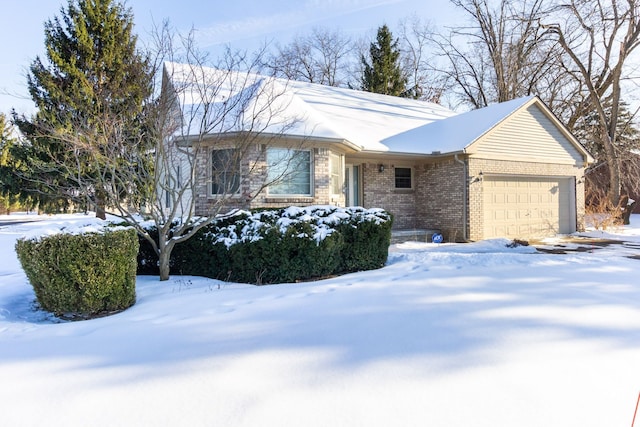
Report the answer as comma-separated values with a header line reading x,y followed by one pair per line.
x,y
613,166
101,211
614,181
164,255
164,263
627,210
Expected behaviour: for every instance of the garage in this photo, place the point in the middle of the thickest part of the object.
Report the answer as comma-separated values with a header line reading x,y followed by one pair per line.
x,y
528,206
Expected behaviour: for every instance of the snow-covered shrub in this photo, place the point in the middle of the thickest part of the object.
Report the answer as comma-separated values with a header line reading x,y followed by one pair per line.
x,y
367,236
285,245
286,253
262,247
82,275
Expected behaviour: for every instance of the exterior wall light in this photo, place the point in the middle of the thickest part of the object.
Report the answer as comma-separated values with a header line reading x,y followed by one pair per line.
x,y
380,168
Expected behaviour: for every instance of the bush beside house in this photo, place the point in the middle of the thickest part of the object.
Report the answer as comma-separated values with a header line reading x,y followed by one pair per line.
x,y
281,245
84,273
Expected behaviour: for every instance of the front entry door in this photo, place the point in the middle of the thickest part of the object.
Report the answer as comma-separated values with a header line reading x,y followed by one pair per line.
x,y
352,185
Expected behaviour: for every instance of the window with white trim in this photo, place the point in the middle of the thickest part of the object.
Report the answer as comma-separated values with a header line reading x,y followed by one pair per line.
x,y
337,173
403,178
225,172
289,172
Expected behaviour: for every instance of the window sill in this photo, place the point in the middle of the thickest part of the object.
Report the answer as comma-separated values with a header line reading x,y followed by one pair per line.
x,y
224,196
403,190
289,199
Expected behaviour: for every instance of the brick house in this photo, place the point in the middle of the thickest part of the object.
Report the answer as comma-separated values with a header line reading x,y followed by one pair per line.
x,y
508,170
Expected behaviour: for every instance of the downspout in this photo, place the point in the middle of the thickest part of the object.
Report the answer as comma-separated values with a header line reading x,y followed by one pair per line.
x,y
465,201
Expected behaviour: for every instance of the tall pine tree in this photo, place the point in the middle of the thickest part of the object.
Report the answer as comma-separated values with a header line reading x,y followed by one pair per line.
x,y
91,88
384,74
9,188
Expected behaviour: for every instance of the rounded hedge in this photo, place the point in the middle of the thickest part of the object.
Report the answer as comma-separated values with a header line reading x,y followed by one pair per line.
x,y
82,275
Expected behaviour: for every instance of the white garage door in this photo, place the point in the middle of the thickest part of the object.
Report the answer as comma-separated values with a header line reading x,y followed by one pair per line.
x,y
525,207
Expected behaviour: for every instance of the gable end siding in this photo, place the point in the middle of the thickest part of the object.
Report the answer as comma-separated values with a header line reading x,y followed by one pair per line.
x,y
528,135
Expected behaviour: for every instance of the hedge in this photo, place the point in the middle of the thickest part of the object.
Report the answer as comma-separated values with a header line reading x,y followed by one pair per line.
x,y
366,241
82,275
281,245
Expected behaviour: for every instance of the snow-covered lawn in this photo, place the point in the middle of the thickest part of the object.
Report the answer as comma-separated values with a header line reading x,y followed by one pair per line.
x,y
450,335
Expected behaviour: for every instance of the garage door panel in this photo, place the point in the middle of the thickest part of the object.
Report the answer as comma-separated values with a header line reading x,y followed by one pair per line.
x,y
522,207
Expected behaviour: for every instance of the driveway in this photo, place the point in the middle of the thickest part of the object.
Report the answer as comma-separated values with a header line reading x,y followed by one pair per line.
x,y
570,244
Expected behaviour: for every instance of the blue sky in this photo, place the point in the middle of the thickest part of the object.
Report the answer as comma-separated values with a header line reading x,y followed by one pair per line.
x,y
242,24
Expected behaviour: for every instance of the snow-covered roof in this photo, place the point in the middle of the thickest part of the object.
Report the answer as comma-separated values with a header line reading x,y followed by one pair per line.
x,y
454,133
363,118
368,121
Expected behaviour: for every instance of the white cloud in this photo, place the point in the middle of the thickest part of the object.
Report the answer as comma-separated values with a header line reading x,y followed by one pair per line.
x,y
308,13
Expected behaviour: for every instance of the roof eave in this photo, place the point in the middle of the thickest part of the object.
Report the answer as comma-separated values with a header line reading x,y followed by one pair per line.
x,y
433,154
312,140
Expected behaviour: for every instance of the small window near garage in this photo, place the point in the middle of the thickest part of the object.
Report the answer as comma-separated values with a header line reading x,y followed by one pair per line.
x,y
403,178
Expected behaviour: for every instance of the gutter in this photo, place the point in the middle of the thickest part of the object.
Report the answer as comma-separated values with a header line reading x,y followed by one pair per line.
x,y
465,201
432,155
190,139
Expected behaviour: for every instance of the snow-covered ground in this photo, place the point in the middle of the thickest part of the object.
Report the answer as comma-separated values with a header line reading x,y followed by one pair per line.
x,y
451,335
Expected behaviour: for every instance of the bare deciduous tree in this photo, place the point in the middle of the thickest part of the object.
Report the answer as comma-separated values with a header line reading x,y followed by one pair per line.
x,y
503,54
416,58
599,38
321,57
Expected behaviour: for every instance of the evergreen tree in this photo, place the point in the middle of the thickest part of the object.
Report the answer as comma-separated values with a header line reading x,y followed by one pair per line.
x,y
8,190
384,74
91,89
626,145
588,130
12,164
